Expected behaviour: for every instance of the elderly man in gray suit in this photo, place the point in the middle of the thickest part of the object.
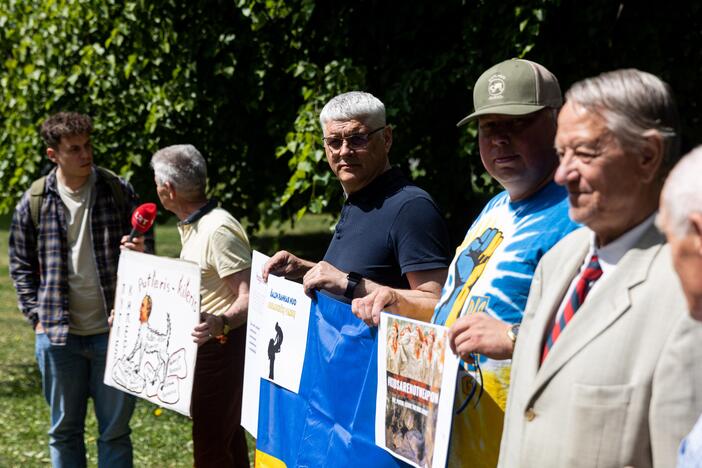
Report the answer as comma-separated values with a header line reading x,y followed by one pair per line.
x,y
680,219
605,370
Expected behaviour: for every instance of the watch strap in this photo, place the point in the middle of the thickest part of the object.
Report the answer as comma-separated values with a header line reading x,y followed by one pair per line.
x,y
352,280
513,331
225,325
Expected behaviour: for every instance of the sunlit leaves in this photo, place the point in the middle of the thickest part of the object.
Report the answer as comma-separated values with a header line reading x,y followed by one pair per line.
x,y
97,57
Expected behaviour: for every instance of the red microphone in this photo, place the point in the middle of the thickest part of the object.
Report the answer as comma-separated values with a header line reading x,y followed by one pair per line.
x,y
142,219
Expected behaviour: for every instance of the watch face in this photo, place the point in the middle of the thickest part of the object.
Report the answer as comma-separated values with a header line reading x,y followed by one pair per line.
x,y
512,332
353,276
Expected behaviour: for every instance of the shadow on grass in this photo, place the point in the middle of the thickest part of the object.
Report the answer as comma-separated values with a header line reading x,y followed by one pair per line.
x,y
19,380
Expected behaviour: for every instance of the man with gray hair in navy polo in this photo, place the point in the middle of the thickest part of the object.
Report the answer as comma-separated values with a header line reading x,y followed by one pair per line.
x,y
390,231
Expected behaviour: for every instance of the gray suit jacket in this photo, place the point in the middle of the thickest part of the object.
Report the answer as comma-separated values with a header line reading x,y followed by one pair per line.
x,y
622,385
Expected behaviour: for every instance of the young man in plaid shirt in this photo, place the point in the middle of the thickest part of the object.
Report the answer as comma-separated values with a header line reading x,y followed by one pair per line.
x,y
64,252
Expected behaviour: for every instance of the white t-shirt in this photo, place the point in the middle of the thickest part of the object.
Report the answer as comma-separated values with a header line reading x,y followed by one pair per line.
x,y
86,305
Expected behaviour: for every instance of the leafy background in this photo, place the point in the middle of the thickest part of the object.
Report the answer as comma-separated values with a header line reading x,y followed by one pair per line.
x,y
244,80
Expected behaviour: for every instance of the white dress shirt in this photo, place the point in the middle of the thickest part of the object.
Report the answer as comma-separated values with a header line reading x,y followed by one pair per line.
x,y
608,257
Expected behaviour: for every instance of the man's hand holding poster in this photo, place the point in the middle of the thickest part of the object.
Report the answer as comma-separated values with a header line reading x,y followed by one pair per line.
x,y
276,337
416,375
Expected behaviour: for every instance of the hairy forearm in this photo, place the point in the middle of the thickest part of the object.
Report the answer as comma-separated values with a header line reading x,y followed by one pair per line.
x,y
428,291
415,304
236,314
238,283
302,268
365,287
418,302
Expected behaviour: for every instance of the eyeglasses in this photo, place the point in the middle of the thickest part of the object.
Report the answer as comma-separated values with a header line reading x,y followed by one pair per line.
x,y
357,141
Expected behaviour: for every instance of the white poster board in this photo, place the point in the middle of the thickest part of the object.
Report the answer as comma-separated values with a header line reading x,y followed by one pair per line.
x,y
252,380
283,335
276,337
416,387
151,353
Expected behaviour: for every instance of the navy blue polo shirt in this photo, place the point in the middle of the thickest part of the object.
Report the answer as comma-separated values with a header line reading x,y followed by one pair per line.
x,y
387,229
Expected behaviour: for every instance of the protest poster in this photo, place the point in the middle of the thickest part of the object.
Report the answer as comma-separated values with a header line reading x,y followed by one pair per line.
x,y
151,353
276,337
416,386
284,319
252,379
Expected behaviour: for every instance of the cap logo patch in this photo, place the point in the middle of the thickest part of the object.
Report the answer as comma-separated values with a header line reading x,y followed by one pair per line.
x,y
496,86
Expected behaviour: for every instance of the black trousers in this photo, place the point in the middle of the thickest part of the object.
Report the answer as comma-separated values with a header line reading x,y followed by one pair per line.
x,y
218,438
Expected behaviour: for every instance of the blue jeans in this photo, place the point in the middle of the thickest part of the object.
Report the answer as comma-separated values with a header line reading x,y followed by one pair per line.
x,y
70,375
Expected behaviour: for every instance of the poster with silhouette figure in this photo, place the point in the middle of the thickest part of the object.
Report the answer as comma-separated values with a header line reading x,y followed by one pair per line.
x,y
151,353
416,375
283,319
273,348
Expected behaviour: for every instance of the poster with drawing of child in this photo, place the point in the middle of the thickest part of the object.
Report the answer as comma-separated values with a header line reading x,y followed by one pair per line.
x,y
151,353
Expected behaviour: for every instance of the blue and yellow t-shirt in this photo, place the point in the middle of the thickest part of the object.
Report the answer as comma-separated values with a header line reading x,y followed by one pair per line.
x,y
491,272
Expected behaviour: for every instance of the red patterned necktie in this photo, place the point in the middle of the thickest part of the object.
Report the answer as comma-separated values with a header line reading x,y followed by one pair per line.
x,y
592,273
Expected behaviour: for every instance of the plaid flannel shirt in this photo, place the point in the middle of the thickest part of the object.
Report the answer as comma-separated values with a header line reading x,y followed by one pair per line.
x,y
39,257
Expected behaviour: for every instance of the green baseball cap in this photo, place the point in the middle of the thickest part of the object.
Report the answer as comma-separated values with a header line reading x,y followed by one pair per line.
x,y
514,87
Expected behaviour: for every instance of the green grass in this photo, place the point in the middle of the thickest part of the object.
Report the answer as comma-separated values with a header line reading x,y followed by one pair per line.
x,y
160,438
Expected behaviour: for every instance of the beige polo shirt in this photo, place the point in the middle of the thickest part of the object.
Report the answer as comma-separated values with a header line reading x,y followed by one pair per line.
x,y
218,243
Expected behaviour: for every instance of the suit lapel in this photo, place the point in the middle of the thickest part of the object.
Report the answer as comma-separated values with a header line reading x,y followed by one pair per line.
x,y
552,292
601,308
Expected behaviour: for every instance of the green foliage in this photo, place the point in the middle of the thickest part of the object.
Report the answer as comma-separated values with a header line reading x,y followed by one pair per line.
x,y
150,74
93,57
244,81
421,64
311,182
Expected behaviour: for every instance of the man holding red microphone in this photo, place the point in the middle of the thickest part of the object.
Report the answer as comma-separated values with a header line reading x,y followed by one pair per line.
x,y
214,239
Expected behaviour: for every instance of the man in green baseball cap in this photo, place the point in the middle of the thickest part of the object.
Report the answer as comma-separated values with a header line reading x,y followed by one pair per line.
x,y
515,103
514,87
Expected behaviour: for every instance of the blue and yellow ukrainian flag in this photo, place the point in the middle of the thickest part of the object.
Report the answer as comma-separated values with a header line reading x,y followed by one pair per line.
x,y
331,422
